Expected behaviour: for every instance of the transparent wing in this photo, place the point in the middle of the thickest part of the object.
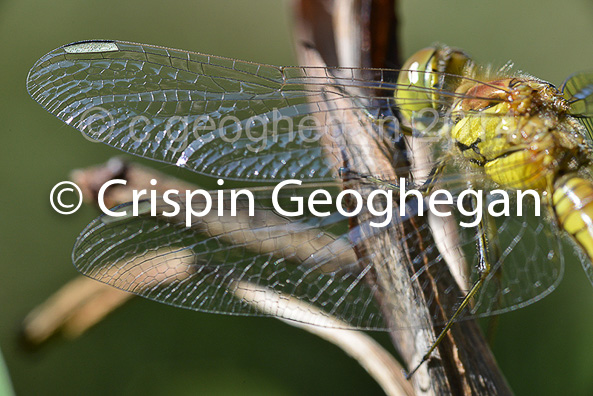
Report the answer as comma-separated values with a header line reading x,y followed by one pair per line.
x,y
529,262
256,265
217,116
252,122
232,265
578,89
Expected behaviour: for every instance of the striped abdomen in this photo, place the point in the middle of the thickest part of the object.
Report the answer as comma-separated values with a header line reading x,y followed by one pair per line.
x,y
573,205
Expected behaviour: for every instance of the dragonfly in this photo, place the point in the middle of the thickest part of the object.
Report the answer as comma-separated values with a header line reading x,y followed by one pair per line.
x,y
259,124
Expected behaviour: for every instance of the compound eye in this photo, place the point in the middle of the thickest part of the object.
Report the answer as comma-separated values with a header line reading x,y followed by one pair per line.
x,y
423,75
418,71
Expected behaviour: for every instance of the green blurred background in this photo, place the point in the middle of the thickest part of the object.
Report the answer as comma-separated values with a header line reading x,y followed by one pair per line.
x,y
148,348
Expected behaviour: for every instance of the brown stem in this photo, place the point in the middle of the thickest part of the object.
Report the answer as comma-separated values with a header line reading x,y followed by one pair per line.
x,y
362,33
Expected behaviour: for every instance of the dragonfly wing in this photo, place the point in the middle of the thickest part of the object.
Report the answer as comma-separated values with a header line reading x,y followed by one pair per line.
x,y
526,257
175,106
258,265
578,89
242,265
215,116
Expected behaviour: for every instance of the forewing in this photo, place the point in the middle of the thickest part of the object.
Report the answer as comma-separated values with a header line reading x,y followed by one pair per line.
x,y
217,116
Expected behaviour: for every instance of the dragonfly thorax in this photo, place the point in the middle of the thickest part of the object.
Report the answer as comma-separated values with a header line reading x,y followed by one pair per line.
x,y
519,131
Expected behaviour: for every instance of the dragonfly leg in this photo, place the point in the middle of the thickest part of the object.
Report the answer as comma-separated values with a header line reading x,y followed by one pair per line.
x,y
433,176
350,174
488,255
447,327
426,187
489,249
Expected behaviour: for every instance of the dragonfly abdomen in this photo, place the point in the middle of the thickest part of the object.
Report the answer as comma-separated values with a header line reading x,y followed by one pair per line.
x,y
573,205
